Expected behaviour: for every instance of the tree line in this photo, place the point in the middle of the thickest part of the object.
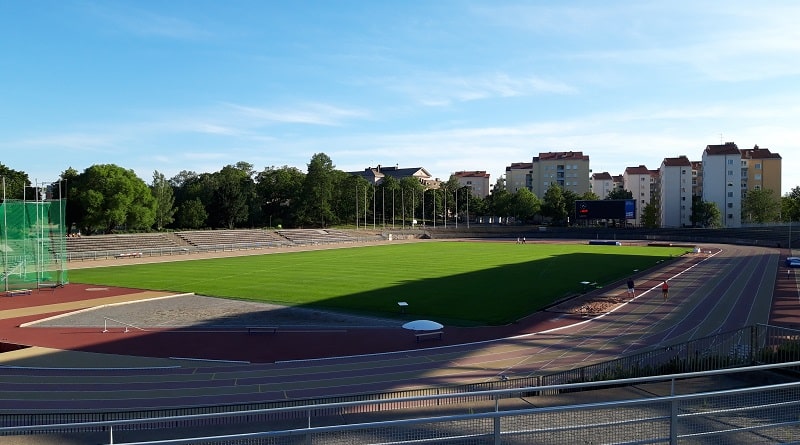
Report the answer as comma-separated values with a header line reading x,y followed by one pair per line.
x,y
105,198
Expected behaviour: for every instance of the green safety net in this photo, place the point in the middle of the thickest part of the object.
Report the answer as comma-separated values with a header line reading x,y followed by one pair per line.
x,y
32,244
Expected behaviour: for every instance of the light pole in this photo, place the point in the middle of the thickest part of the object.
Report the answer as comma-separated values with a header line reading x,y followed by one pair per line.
x,y
356,194
456,208
469,196
365,207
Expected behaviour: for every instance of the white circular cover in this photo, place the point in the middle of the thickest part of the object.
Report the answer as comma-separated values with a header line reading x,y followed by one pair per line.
x,y
423,325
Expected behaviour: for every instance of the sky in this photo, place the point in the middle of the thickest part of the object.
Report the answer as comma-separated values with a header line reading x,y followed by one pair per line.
x,y
445,85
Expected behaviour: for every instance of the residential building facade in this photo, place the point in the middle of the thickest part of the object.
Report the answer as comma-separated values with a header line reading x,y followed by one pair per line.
x,y
375,175
568,169
518,176
477,181
761,170
675,192
639,181
722,181
602,184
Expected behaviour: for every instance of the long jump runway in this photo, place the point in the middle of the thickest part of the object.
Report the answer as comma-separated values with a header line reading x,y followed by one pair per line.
x,y
159,368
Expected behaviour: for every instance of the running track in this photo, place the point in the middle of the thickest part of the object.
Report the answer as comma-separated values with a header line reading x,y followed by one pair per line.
x,y
737,286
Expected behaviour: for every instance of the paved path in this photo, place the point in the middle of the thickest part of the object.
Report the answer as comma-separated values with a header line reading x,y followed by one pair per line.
x,y
709,294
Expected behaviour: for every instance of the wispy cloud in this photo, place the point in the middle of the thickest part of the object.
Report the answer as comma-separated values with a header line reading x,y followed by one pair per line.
x,y
308,113
442,90
145,23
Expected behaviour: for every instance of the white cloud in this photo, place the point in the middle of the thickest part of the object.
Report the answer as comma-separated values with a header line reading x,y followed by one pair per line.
x,y
309,113
442,90
145,23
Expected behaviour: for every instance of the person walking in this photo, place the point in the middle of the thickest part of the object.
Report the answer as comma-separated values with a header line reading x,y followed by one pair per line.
x,y
631,291
665,290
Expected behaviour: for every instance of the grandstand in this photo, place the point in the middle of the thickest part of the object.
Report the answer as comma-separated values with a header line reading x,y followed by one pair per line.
x,y
93,247
323,236
104,246
248,238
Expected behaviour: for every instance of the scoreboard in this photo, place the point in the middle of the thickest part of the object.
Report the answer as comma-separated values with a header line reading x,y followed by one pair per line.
x,y
606,209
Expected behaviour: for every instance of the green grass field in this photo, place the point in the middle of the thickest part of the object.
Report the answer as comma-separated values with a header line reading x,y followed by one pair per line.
x,y
462,283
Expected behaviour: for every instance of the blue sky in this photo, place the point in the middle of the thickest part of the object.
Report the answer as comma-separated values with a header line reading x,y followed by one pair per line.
x,y
445,85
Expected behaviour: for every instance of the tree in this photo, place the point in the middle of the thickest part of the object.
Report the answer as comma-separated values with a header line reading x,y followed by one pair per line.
x,y
73,210
525,204
760,206
790,205
164,201
569,204
650,215
705,213
15,183
409,189
231,196
500,202
389,186
589,196
111,197
620,194
278,194
350,197
317,191
554,205
192,214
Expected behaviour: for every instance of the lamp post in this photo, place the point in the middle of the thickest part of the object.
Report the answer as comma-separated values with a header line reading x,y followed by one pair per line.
x,y
356,206
469,196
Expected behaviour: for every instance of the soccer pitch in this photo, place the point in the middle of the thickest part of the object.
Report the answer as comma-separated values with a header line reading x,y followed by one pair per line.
x,y
458,283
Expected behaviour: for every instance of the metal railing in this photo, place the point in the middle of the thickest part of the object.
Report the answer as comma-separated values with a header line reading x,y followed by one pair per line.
x,y
767,413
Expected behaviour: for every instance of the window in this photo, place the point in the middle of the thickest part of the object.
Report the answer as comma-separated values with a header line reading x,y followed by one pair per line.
x,y
730,215
730,205
730,194
683,198
730,172
758,176
758,166
730,161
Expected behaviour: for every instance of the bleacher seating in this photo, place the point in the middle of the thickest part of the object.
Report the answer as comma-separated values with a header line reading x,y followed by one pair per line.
x,y
236,237
118,245
171,243
317,236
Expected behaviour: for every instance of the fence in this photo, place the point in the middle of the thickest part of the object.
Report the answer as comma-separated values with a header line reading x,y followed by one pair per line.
x,y
671,409
773,348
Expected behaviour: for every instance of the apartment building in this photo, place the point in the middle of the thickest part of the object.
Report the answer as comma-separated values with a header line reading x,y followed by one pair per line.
x,y
477,181
375,175
697,178
568,169
761,170
602,184
519,176
722,181
640,181
675,192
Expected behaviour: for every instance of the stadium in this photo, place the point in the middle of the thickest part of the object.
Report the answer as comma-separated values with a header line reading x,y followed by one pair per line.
x,y
99,360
